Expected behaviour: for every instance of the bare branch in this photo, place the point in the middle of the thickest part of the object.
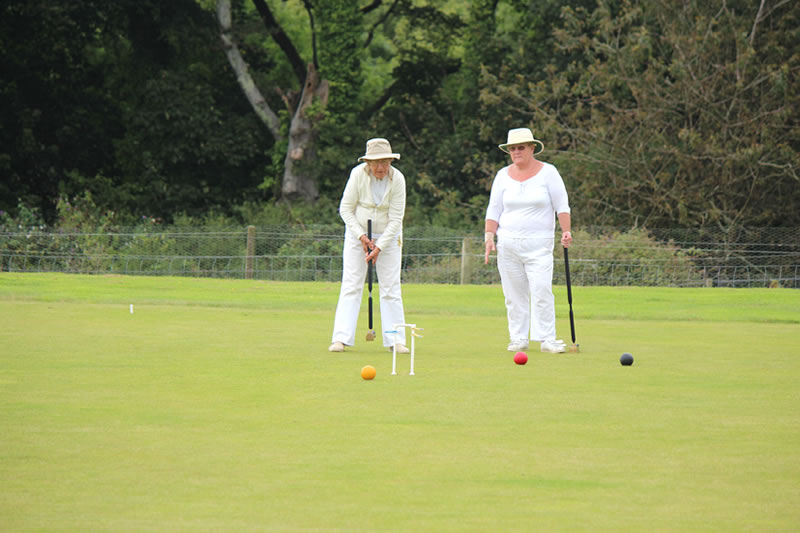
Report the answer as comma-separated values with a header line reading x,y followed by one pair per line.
x,y
756,21
407,131
773,8
381,21
374,5
764,16
282,40
288,100
788,169
307,3
254,96
380,102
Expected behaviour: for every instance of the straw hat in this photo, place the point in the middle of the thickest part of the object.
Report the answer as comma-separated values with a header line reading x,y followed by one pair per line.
x,y
521,136
378,149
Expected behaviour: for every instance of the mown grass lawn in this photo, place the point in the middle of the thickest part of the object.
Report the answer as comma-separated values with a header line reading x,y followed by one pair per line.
x,y
216,406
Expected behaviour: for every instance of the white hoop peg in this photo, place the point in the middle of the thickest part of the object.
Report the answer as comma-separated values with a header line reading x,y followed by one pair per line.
x,y
414,334
393,333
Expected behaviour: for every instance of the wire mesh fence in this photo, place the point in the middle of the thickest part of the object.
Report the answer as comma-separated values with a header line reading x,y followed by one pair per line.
x,y
677,257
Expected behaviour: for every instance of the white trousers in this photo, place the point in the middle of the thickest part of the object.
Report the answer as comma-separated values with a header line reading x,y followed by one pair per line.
x,y
354,273
526,273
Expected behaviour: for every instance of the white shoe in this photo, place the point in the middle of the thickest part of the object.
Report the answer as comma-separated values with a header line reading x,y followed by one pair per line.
x,y
518,346
336,347
401,348
554,346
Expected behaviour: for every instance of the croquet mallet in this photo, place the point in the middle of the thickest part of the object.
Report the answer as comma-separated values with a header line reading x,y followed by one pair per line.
x,y
371,332
574,347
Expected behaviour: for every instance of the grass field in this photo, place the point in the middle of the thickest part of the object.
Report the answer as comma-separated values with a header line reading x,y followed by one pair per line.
x,y
216,406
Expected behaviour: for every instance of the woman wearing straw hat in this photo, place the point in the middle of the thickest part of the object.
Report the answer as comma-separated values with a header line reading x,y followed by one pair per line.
x,y
375,191
526,198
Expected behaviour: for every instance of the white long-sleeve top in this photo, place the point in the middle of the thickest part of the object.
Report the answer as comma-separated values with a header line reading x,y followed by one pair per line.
x,y
358,206
527,208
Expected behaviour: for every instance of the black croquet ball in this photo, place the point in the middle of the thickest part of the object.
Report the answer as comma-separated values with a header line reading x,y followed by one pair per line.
x,y
626,359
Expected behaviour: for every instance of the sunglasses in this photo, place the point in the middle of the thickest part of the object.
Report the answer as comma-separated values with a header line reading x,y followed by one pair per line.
x,y
516,147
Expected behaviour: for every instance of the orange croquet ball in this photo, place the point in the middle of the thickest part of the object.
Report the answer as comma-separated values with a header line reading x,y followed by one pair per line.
x,y
368,372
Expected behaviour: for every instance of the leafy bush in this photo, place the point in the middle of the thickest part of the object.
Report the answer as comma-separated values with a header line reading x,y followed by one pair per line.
x,y
617,257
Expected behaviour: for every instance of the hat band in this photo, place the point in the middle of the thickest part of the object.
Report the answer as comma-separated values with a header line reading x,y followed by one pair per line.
x,y
504,147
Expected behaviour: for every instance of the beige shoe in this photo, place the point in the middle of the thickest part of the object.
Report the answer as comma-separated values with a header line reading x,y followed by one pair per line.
x,y
553,346
518,346
336,347
401,348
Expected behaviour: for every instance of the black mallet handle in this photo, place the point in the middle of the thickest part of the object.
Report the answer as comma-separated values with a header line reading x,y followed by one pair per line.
x,y
569,295
369,273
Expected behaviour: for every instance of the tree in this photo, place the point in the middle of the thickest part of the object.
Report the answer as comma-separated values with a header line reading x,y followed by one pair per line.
x,y
129,100
305,107
336,100
438,88
189,144
673,116
54,115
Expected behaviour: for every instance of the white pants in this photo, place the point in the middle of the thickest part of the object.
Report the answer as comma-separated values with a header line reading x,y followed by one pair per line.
x,y
354,272
526,272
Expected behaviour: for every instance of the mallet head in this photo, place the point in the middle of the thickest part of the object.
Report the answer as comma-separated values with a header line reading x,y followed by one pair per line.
x,y
575,348
370,335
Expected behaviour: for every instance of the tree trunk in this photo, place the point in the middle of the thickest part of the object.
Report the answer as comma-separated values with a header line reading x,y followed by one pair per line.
x,y
298,179
246,82
298,182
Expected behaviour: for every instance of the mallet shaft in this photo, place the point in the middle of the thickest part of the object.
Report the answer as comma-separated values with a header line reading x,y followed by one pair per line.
x,y
569,295
369,273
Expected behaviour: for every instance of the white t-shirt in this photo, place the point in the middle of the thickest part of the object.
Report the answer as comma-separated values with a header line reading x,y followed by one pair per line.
x,y
527,208
378,188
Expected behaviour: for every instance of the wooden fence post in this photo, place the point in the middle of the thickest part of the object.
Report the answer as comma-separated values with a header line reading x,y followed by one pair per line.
x,y
465,274
251,251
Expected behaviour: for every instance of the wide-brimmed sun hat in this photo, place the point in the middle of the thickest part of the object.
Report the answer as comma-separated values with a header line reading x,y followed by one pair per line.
x,y
521,136
378,149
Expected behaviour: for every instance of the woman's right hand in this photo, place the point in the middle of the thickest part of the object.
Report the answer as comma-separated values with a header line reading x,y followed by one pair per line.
x,y
366,244
490,247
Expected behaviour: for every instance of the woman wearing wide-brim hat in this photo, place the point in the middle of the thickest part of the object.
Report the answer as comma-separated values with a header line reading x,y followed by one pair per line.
x,y
526,198
375,191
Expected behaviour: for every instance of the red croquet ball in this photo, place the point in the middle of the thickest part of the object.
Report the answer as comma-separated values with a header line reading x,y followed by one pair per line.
x,y
520,358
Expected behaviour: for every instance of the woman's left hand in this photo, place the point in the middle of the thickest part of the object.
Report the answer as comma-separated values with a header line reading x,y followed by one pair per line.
x,y
566,239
